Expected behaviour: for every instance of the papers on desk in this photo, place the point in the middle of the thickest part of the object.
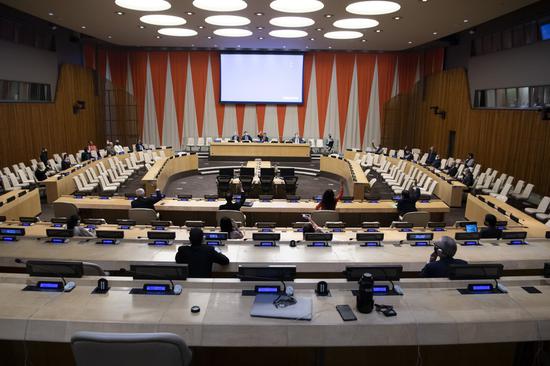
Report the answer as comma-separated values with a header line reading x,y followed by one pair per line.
x,y
263,307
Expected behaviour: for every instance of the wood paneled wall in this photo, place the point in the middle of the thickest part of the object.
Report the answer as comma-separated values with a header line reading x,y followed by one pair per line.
x,y
26,127
511,141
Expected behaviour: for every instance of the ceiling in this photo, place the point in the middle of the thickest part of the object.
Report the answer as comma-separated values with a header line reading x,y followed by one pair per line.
x,y
420,20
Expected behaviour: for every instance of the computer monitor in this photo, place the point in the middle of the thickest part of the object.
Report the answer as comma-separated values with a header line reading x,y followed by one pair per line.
x,y
286,172
159,272
246,172
55,269
226,172
379,273
471,227
475,271
267,273
267,172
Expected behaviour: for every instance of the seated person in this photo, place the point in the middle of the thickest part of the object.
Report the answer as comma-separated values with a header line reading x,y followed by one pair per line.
x,y
246,137
311,226
377,149
199,257
468,178
437,162
41,172
65,162
297,139
490,231
408,155
445,249
453,169
85,155
230,205
109,148
406,203
91,146
329,143
230,227
139,146
470,161
329,201
146,202
72,224
262,137
118,147
235,137
432,155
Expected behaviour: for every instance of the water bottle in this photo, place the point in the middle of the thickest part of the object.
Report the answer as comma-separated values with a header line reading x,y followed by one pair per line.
x,y
365,301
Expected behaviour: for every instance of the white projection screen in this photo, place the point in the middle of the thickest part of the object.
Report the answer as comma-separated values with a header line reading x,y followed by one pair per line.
x,y
261,78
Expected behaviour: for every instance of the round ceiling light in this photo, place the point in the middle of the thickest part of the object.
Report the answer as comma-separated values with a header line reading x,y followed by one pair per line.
x,y
288,33
232,32
220,5
355,23
144,5
292,22
227,20
372,7
162,19
297,6
343,35
178,32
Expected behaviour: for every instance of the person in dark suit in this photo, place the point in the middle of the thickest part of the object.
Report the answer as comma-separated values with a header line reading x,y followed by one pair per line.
x,y
235,137
230,205
445,250
408,155
199,257
437,162
470,161
330,143
65,162
453,169
246,137
85,155
146,202
406,203
377,149
262,137
468,178
490,231
44,156
432,155
41,172
297,139
139,146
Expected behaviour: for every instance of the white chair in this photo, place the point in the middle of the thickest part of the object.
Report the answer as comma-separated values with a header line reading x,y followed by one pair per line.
x,y
503,194
517,189
162,154
430,190
320,145
114,178
495,188
200,143
80,187
208,142
30,174
105,185
15,182
85,182
6,183
525,194
24,178
542,207
90,177
423,159
190,143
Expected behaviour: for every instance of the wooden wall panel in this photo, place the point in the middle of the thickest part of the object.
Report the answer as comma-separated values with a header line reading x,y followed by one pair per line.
x,y
512,141
26,127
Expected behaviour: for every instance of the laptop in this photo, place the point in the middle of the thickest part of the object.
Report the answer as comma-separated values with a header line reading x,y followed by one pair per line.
x,y
263,307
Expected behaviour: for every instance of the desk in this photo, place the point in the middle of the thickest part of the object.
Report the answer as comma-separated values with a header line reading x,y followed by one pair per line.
x,y
28,204
166,169
479,206
259,150
350,171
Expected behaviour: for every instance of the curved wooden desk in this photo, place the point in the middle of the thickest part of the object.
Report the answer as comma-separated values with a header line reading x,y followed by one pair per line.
x,y
24,203
167,168
259,150
350,171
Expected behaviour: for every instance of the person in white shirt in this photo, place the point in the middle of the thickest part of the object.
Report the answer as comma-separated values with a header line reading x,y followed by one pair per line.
x,y
297,139
118,147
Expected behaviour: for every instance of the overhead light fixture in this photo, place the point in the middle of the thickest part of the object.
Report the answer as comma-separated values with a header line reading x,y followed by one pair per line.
x,y
410,42
434,33
144,5
158,37
232,32
259,13
465,20
292,22
51,14
318,29
220,5
328,15
227,20
163,19
288,33
423,1
201,26
141,26
260,38
329,47
356,23
378,31
260,27
109,36
83,26
178,32
293,6
209,37
343,35
119,12
397,17
372,7
189,13
312,39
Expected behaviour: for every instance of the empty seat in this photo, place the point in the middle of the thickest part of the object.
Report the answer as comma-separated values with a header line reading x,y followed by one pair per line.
x,y
525,194
64,209
143,216
542,207
418,218
320,217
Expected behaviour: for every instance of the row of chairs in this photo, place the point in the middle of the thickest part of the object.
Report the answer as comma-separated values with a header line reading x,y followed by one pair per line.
x,y
396,178
203,144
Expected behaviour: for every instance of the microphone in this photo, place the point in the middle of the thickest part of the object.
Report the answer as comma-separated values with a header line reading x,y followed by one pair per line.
x,y
67,286
284,299
176,289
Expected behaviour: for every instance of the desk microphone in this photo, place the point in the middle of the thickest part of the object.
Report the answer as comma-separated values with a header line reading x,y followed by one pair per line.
x,y
67,286
176,289
286,298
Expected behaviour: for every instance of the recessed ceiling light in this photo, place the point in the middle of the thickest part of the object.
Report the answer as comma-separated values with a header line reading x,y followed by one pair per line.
x,y
159,37
284,46
144,5
109,36
227,20
292,22
355,23
163,19
141,26
220,5
318,29
329,47
209,37
238,45
189,13
373,7
312,39
434,33
260,27
201,26
378,31
293,6
259,13
83,26
260,38
232,32
397,17
119,12
328,15
465,20
343,35
423,1
51,14
363,40
178,32
288,33
410,42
